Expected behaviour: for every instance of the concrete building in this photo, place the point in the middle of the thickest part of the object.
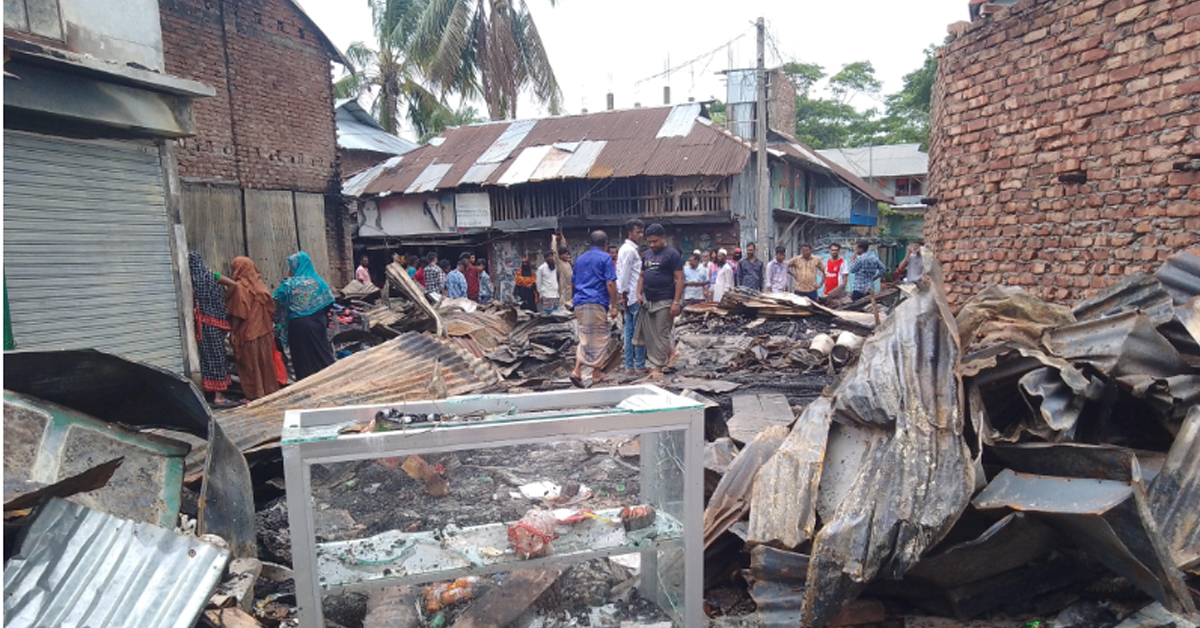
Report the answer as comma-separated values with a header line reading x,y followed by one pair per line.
x,y
94,244
1064,144
260,177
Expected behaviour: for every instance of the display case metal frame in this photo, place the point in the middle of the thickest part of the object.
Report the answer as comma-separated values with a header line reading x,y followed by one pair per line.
x,y
318,437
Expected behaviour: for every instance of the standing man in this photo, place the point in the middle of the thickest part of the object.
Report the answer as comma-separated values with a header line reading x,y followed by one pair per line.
x,y
595,293
912,263
660,293
695,280
866,268
456,281
363,272
777,272
566,286
629,273
435,279
836,269
749,273
613,250
471,274
806,268
547,282
723,280
485,282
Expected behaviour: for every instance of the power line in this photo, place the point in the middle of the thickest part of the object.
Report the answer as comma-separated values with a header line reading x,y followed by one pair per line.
x,y
692,61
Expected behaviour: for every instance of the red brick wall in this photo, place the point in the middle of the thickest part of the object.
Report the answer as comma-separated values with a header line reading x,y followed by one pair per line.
x,y
1109,89
355,161
262,56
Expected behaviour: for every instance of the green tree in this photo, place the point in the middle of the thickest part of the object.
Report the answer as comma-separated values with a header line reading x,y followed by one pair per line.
x,y
907,118
485,48
444,119
387,71
716,112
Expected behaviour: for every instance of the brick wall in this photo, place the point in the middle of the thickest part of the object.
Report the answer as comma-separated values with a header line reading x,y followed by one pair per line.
x,y
271,124
355,161
1040,95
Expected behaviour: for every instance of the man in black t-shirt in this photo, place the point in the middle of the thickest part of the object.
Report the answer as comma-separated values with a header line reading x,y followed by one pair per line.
x,y
660,294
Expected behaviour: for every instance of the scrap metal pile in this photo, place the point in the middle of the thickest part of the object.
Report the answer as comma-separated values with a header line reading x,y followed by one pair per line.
x,y
1023,461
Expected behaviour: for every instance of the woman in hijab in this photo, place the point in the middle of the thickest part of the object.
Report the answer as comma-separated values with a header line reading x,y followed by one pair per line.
x,y
524,289
305,298
211,327
251,312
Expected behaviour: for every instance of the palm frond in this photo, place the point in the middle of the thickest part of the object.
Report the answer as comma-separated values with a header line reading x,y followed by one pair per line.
x,y
537,63
444,68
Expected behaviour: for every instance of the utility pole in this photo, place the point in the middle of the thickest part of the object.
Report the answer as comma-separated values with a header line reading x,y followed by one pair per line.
x,y
764,233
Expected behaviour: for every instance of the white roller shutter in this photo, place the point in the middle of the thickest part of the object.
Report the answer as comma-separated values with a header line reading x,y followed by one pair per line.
x,y
87,253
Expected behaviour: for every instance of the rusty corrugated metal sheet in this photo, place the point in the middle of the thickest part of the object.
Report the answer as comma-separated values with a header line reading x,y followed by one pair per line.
x,y
611,144
394,371
1180,276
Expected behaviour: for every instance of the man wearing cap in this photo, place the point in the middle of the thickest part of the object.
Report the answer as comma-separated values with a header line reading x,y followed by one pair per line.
x,y
724,280
695,278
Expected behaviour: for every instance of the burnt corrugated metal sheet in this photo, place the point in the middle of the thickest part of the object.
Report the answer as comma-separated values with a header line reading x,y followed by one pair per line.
x,y
394,371
1180,276
610,144
1119,345
1135,292
81,567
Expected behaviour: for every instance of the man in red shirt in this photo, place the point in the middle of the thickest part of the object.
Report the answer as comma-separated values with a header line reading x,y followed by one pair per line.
x,y
835,269
472,274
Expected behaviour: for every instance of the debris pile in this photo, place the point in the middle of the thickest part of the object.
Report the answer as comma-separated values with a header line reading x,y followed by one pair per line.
x,y
1023,461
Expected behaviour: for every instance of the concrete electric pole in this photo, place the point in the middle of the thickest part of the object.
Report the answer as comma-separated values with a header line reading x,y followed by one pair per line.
x,y
763,228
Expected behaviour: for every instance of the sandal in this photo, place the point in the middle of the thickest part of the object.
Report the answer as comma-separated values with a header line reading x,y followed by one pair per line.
x,y
577,381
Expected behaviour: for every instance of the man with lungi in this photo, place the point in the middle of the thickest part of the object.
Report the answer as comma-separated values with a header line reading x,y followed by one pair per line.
x,y
660,294
595,282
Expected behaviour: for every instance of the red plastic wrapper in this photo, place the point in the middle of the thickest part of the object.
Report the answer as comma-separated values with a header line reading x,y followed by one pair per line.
x,y
531,535
637,517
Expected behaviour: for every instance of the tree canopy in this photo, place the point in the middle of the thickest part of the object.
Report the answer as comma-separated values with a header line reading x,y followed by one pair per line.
x,y
831,121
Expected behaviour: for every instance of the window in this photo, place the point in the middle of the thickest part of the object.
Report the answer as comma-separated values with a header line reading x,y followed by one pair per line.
x,y
908,186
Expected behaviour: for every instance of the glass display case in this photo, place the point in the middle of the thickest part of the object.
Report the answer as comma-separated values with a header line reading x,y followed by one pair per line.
x,y
580,505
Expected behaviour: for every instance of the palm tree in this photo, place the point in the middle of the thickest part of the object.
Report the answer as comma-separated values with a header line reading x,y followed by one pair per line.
x,y
487,48
389,71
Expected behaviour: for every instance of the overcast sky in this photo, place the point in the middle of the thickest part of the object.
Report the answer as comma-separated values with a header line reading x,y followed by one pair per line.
x,y
602,45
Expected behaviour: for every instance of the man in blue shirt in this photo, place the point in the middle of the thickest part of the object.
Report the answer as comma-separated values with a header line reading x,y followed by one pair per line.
x,y
595,283
865,269
456,281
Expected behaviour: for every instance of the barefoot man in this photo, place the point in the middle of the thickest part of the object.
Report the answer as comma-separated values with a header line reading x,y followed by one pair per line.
x,y
595,282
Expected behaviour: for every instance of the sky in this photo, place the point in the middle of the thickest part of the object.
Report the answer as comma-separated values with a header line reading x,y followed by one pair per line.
x,y
597,46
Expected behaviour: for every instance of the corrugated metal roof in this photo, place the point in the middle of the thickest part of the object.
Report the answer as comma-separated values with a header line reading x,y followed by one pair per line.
x,y
1135,292
396,370
623,143
429,179
81,567
895,160
358,130
355,185
800,151
680,121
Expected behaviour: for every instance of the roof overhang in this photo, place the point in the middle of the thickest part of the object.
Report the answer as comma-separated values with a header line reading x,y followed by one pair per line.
x,y
63,87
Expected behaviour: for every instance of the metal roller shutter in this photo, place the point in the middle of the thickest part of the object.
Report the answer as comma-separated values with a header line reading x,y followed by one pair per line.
x,y
87,254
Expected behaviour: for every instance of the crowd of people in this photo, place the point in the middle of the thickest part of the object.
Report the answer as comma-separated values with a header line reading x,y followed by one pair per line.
x,y
240,306
647,288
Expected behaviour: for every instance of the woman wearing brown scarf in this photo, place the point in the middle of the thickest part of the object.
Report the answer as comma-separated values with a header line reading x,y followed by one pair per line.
x,y
251,310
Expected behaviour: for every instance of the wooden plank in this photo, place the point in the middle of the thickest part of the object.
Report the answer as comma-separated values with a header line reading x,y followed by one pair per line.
x,y
503,604
783,505
755,413
213,218
310,227
270,233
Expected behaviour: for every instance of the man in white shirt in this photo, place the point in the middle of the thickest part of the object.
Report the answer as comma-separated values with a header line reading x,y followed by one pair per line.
x,y
547,283
724,276
629,271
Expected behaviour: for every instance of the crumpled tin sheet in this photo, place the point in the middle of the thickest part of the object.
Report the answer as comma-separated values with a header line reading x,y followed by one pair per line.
x,y
81,567
1180,277
917,476
1109,520
1122,344
1135,292
1174,495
